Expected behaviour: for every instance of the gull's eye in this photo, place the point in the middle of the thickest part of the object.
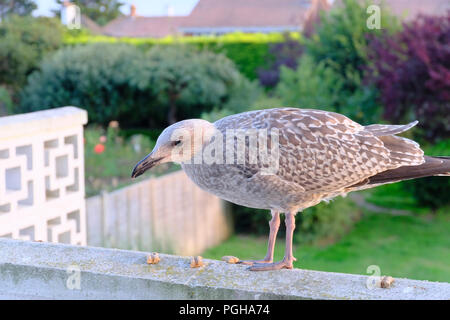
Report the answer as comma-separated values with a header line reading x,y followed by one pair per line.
x,y
177,142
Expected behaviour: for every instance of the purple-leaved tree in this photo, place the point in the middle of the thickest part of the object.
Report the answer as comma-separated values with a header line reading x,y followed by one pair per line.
x,y
412,72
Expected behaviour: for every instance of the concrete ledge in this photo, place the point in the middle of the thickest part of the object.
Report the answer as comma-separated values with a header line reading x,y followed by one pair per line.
x,y
33,270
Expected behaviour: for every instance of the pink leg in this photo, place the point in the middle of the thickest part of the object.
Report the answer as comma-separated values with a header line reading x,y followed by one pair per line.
x,y
274,226
288,259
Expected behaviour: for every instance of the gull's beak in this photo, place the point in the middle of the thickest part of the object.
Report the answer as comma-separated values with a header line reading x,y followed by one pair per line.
x,y
148,162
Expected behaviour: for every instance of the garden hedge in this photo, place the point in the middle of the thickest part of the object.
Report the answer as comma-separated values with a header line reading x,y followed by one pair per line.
x,y
248,51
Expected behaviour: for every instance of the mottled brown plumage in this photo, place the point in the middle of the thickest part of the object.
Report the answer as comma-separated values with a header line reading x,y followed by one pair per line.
x,y
321,155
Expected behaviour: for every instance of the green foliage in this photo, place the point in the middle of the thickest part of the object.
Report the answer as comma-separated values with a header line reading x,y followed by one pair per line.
x,y
341,40
327,222
24,41
153,89
98,78
309,86
100,11
111,168
247,51
338,58
265,101
5,102
17,7
239,103
189,81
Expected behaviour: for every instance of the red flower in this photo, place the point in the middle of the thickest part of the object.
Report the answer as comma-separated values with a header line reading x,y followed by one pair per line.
x,y
99,148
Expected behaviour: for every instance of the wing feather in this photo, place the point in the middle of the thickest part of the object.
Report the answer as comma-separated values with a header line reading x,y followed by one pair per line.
x,y
324,152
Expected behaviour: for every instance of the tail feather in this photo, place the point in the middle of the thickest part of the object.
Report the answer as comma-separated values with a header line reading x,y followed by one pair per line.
x,y
433,166
379,130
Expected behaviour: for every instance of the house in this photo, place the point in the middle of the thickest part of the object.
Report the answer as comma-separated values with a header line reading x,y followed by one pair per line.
x,y
409,9
135,26
216,17
249,16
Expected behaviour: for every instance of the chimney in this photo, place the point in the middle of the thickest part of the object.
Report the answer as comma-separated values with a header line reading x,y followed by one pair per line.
x,y
132,10
312,16
170,11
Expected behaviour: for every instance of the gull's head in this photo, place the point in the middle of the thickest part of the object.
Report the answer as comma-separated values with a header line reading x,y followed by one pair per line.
x,y
178,143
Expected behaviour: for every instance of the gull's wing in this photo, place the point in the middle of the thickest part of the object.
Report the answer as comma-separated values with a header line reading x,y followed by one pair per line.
x,y
325,152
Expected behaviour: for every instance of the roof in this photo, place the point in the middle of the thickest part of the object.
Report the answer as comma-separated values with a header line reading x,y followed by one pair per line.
x,y
312,16
409,9
135,27
246,15
88,23
217,16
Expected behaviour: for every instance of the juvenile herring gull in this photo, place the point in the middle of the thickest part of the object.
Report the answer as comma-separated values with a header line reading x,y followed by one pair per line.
x,y
288,159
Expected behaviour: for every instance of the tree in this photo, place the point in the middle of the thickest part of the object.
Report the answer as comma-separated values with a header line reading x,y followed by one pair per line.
x,y
101,11
189,82
18,7
284,53
412,71
340,46
121,82
24,41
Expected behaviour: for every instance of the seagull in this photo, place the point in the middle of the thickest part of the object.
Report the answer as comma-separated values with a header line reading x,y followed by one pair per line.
x,y
314,156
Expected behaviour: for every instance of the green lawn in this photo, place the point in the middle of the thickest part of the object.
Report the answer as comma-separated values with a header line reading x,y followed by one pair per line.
x,y
402,246
394,196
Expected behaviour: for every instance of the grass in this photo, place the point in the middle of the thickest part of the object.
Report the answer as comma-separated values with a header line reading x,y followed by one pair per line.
x,y
394,196
402,246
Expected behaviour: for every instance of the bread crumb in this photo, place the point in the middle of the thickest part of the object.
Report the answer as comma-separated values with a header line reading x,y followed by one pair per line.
x,y
153,258
386,282
230,259
197,262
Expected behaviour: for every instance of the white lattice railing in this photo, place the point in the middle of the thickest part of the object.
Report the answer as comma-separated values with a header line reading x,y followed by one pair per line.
x,y
42,176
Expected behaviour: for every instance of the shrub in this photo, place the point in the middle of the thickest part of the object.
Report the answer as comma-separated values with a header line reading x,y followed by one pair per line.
x,y
412,71
5,102
109,158
24,41
326,223
189,82
96,77
284,53
118,81
309,86
341,44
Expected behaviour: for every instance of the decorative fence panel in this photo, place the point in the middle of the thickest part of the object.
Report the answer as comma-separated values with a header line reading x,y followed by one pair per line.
x,y
42,176
168,214
42,194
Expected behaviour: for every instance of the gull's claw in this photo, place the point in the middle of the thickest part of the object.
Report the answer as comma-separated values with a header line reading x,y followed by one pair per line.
x,y
253,262
283,264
